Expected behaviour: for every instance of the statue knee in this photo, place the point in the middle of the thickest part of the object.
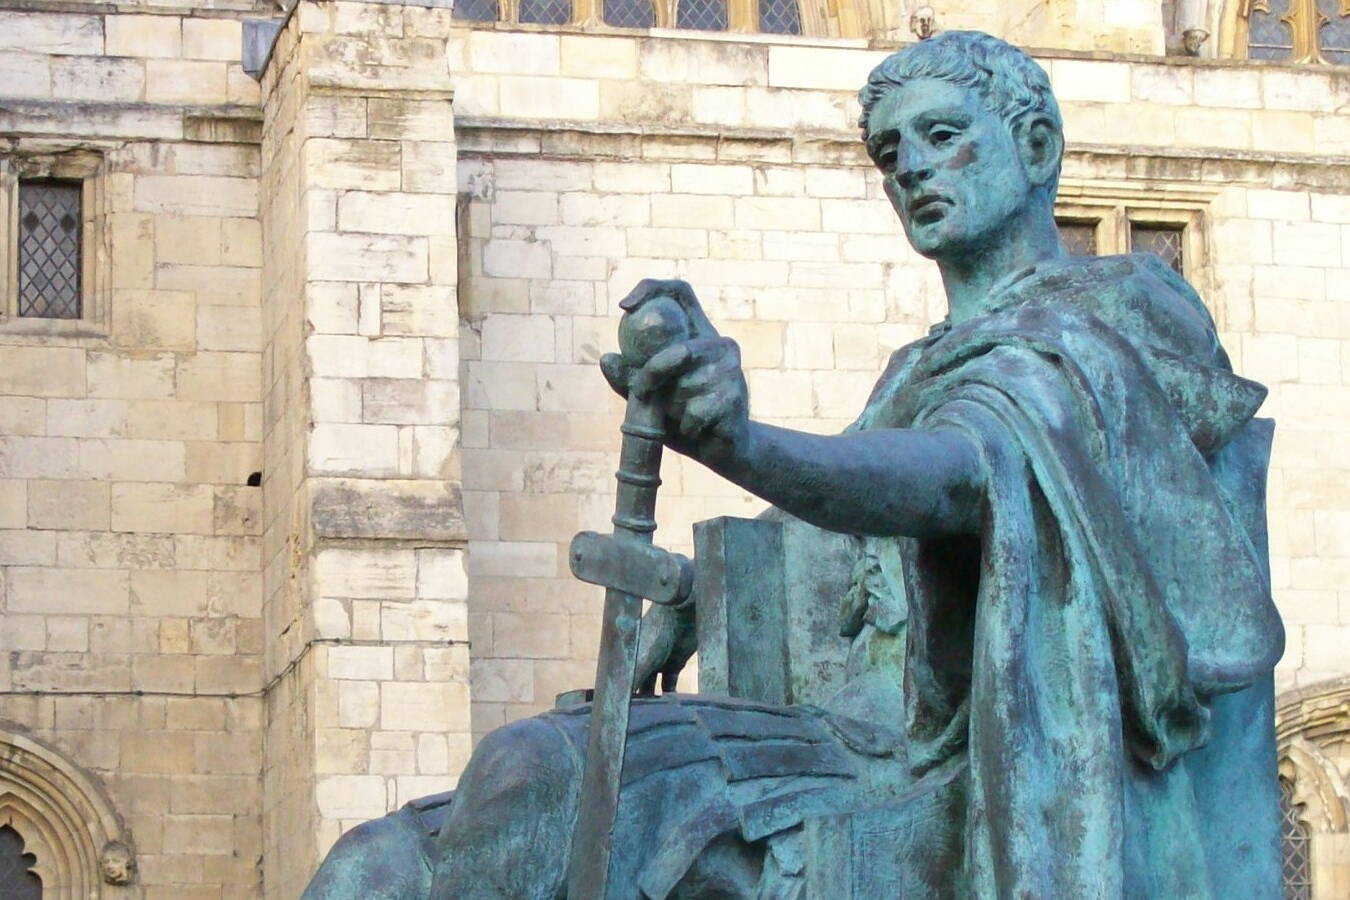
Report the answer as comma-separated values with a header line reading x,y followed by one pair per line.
x,y
528,755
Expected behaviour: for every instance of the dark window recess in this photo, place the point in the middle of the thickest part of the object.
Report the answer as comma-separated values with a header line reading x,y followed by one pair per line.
x,y
780,17
702,15
629,13
49,249
1164,240
476,10
1080,238
1269,35
1297,860
18,883
546,12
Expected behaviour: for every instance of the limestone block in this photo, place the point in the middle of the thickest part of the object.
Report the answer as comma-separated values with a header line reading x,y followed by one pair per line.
x,y
638,101
598,57
237,510
187,239
27,548
366,257
360,663
1172,85
394,357
96,78
229,328
13,503
768,213
1289,206
154,320
1198,127
517,259
396,213
86,418
22,416
233,674
43,372
1090,80
39,457
187,82
212,39
358,704
412,706
201,195
73,505
219,376
379,574
113,551
550,97
358,508
67,634
214,285
67,591
1306,244
429,310
427,166
336,116
343,448
353,164
413,120
516,558
718,105
695,178
132,460
782,108
51,32
26,75
222,462
25,632
514,53
821,68
1291,132
178,508
1232,88
710,62
409,401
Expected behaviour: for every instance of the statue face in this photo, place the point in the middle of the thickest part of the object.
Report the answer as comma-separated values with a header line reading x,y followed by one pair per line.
x,y
951,166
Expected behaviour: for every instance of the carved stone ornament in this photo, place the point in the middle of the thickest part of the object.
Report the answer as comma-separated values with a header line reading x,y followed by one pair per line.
x,y
117,864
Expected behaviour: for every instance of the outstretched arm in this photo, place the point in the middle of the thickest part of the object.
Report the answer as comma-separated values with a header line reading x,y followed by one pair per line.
x,y
917,482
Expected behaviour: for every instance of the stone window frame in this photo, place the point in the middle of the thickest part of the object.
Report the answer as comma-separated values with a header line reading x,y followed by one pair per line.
x,y
1304,19
89,169
1312,726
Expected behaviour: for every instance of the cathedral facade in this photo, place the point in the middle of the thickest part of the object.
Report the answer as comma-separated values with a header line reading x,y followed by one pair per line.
x,y
299,403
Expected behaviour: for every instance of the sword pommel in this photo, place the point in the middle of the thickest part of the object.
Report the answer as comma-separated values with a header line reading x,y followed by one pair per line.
x,y
650,327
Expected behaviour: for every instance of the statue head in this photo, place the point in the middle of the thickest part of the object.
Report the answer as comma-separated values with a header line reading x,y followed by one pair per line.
x,y
966,131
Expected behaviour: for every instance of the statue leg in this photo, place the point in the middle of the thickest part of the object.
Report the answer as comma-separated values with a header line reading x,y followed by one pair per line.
x,y
510,828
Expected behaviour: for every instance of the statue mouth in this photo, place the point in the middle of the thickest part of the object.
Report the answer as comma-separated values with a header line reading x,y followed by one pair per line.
x,y
928,208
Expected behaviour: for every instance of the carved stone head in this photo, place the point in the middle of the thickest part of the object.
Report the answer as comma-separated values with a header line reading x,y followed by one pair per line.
x,y
117,863
968,137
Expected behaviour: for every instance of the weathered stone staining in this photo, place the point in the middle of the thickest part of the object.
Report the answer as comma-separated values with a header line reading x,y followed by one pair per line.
x,y
1060,635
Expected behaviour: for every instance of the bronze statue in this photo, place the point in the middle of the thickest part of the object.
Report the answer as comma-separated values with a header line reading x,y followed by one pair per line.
x,y
1058,625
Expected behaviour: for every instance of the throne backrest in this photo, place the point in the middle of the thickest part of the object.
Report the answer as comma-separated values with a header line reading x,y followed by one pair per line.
x,y
767,596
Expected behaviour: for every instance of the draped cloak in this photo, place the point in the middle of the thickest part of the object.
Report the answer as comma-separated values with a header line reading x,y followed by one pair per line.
x,y
1087,643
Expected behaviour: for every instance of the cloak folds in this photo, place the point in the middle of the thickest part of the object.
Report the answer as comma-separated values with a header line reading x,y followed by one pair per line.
x,y
1115,593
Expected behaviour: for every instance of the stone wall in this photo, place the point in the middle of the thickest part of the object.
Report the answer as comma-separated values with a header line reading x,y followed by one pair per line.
x,y
736,166
131,624
366,621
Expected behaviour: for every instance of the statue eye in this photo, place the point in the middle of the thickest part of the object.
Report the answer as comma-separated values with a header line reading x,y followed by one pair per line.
x,y
942,135
887,157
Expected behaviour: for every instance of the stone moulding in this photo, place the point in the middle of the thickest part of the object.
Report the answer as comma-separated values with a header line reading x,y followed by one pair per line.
x,y
66,819
1308,721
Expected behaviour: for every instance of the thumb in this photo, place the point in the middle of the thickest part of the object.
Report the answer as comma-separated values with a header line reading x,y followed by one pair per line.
x,y
616,372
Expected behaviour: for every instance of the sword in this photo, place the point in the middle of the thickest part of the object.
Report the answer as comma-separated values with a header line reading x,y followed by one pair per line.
x,y
631,570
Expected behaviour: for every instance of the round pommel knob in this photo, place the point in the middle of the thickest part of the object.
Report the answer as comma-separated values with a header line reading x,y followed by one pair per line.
x,y
650,326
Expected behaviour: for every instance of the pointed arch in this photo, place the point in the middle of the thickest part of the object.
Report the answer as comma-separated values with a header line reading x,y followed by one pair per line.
x,y
65,817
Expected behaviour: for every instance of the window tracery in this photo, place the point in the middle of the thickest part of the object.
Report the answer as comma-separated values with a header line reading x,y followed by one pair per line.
x,y
769,16
1297,31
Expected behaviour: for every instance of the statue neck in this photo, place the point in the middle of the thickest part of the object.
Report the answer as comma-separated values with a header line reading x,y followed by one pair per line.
x,y
1030,238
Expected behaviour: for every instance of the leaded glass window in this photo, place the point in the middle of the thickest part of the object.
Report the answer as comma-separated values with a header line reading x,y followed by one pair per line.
x,y
49,249
1334,34
16,881
1164,240
1079,238
476,10
780,17
702,15
1269,36
545,12
1297,859
629,13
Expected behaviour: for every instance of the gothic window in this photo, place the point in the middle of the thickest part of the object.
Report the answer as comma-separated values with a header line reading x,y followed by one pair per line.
x,y
546,12
1164,240
50,223
1079,238
630,13
1316,31
1297,859
476,10
19,883
780,17
701,15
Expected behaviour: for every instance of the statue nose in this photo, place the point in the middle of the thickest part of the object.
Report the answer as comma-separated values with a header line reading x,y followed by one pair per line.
x,y
912,177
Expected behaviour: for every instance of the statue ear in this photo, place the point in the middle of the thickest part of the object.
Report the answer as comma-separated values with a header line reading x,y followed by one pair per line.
x,y
1041,145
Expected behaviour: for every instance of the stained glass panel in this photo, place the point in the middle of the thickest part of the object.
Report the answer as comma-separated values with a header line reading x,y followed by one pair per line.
x,y
1334,35
476,10
1164,240
702,15
780,17
1079,238
1267,36
49,249
16,881
546,12
1297,860
630,13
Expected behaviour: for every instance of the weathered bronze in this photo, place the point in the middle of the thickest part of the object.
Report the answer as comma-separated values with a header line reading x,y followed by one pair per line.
x,y
1009,635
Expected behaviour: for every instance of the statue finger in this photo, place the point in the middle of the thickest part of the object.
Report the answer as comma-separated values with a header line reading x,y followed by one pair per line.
x,y
617,372
700,416
678,290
